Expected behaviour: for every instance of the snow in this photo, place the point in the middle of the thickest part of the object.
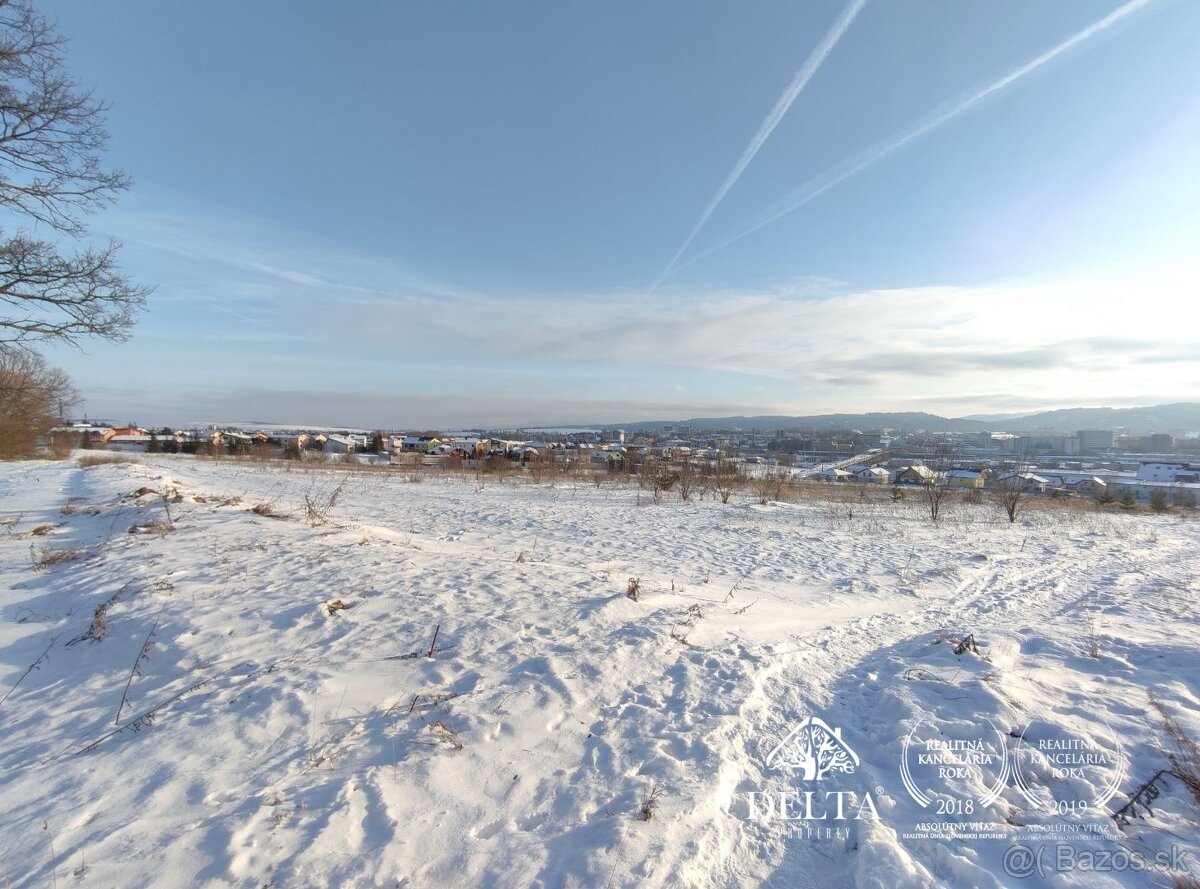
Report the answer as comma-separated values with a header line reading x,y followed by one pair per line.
x,y
272,740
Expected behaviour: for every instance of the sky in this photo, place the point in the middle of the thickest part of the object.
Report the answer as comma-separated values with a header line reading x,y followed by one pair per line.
x,y
415,215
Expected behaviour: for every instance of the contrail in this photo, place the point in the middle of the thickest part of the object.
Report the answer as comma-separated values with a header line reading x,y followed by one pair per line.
x,y
814,61
864,160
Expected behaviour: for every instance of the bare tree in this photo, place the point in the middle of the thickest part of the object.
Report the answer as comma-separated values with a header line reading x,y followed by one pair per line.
x,y
686,479
1009,492
52,134
768,485
33,396
936,490
727,477
543,466
657,475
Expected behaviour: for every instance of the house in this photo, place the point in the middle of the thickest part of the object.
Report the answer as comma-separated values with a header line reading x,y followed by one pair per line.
x,y
835,475
235,441
1080,485
964,478
423,443
917,474
1155,471
338,444
122,431
608,458
1029,482
871,475
295,440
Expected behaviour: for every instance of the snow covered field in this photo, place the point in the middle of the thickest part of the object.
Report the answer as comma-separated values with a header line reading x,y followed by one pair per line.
x,y
269,738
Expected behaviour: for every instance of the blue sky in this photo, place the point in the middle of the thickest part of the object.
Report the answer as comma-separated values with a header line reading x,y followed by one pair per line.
x,y
431,214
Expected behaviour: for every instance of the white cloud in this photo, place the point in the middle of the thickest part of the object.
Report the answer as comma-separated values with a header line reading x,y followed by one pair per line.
x,y
294,312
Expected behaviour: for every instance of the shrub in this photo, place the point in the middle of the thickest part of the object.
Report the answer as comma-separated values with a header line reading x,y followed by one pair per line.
x,y
648,804
48,557
107,460
1158,502
727,478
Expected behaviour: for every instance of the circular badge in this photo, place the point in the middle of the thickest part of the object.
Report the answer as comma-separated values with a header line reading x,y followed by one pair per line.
x,y
1065,772
954,768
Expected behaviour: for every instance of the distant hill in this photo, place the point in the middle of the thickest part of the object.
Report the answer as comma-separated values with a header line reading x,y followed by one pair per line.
x,y
904,421
1175,418
999,418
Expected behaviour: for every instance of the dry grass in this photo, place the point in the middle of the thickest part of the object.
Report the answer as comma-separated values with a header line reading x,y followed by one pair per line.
x,y
1185,758
158,526
446,734
634,589
648,804
263,509
98,628
318,506
48,557
42,530
107,460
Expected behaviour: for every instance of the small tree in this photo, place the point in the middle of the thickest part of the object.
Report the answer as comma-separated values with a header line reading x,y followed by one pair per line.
x,y
686,478
1158,502
1009,493
768,486
727,478
658,476
936,490
32,394
543,466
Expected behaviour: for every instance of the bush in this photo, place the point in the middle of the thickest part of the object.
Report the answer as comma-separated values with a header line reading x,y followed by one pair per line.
x,y
48,558
109,460
31,395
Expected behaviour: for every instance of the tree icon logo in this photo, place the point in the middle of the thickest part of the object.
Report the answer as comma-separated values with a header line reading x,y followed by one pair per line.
x,y
814,749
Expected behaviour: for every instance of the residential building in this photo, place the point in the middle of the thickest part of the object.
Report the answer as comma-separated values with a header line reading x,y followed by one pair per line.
x,y
1154,471
1093,440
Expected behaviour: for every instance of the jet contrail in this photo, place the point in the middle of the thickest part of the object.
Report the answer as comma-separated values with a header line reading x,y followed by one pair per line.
x,y
863,160
814,61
